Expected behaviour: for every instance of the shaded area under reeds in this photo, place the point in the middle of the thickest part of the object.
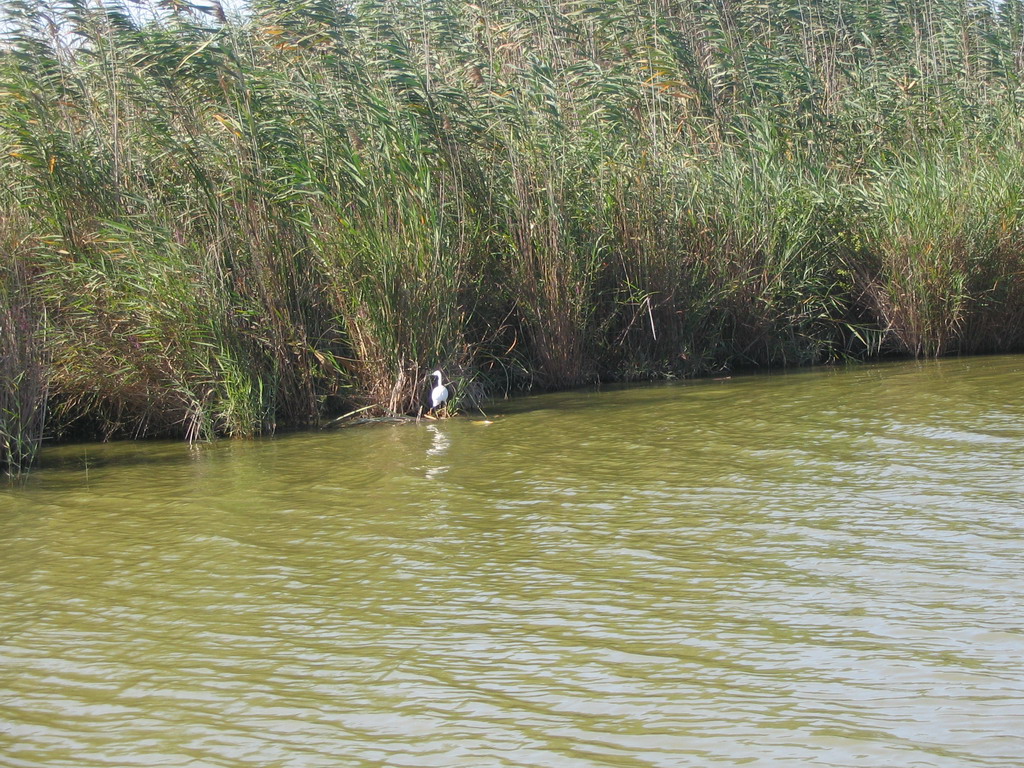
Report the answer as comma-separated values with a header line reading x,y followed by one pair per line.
x,y
214,226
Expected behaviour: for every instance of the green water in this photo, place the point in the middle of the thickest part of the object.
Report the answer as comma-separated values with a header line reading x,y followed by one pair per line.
x,y
820,568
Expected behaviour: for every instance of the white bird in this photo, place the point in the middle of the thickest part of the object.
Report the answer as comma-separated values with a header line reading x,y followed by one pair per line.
x,y
439,394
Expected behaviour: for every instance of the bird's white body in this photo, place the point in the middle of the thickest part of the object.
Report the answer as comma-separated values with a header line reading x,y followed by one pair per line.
x,y
439,394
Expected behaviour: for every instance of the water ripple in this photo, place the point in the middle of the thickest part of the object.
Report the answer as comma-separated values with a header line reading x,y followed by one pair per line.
x,y
810,569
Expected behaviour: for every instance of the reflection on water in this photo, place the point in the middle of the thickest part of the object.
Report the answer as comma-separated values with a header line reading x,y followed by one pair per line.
x,y
438,448
819,568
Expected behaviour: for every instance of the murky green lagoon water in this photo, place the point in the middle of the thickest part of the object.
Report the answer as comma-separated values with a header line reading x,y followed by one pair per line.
x,y
822,568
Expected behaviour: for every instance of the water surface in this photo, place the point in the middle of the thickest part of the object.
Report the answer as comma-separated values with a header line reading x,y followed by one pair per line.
x,y
818,568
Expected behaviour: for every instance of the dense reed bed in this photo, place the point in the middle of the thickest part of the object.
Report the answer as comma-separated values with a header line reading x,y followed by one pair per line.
x,y
213,226
23,363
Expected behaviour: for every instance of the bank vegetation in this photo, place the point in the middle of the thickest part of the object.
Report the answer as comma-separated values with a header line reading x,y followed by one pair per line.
x,y
215,226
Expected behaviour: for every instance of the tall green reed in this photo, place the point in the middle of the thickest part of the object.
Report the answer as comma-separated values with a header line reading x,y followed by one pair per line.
x,y
763,234
395,258
24,371
272,219
553,258
940,257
